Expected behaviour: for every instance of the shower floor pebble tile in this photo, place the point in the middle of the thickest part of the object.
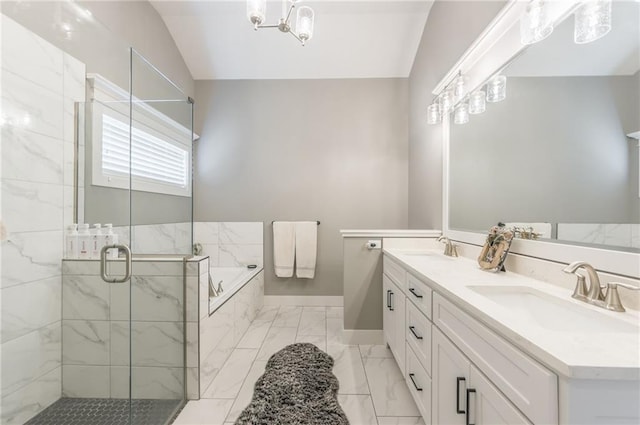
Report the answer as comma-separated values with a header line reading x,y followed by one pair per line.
x,y
274,329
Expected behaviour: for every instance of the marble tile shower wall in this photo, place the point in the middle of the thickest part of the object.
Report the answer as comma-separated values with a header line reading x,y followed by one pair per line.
x,y
230,244
95,330
40,84
165,238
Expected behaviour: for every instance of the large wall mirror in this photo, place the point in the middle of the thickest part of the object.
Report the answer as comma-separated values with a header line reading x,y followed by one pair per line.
x,y
555,154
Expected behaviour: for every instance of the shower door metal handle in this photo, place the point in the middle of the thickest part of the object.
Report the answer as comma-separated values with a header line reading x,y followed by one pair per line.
x,y
127,263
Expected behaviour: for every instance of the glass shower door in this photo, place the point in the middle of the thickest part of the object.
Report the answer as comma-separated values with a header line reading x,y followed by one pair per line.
x,y
161,229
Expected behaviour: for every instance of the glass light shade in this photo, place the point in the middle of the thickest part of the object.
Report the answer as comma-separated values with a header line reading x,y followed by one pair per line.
x,y
461,114
593,20
477,102
446,99
535,24
433,114
459,87
256,11
304,23
497,89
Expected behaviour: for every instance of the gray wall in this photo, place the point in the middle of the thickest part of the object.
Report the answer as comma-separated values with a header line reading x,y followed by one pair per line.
x,y
556,145
328,150
362,285
451,28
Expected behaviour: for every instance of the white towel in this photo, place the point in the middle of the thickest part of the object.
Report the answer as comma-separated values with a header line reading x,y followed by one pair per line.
x,y
284,247
306,249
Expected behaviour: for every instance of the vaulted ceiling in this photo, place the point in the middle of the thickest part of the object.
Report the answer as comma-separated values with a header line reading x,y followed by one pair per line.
x,y
352,39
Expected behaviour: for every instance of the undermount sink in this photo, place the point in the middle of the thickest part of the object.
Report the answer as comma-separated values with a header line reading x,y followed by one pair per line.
x,y
551,312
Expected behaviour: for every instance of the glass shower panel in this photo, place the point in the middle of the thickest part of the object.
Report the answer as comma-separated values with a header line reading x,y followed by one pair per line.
x,y
161,223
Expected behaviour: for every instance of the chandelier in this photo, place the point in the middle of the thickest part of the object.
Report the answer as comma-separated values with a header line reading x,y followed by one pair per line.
x,y
257,10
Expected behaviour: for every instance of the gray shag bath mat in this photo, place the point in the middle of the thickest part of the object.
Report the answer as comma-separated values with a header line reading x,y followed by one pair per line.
x,y
298,388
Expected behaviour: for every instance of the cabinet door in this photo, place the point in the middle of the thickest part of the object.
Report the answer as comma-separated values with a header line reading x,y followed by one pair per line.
x,y
488,406
388,324
449,382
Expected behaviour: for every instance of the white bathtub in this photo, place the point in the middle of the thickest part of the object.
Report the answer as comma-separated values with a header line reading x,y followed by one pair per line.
x,y
233,279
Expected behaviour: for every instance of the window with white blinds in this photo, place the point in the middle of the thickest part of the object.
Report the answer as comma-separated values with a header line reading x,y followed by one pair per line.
x,y
157,165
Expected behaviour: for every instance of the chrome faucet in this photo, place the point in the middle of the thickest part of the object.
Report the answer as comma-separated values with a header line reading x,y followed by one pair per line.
x,y
450,250
580,293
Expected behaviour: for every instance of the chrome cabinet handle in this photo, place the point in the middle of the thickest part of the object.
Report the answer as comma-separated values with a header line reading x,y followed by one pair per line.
x,y
413,291
411,375
103,264
391,300
413,331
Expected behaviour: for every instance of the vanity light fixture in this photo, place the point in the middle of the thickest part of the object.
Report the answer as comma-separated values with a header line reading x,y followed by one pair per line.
x,y
497,89
433,113
535,24
257,13
446,101
592,21
477,102
459,87
461,114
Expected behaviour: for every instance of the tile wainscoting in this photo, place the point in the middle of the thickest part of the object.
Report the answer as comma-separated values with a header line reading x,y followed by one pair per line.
x,y
95,329
231,244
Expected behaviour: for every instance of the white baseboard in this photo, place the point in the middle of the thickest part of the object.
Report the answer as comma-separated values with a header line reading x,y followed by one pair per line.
x,y
358,336
310,301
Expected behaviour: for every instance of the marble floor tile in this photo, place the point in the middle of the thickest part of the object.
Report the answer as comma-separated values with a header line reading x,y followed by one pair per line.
x,y
349,370
255,335
246,392
335,312
204,412
288,317
389,390
319,341
358,408
229,380
276,340
375,351
335,327
268,312
312,323
400,420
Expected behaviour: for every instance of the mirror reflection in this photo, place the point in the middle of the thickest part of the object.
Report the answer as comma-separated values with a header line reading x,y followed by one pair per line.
x,y
558,155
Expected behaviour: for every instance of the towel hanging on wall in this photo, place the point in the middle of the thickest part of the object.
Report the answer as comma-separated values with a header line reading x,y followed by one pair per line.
x,y
306,249
284,247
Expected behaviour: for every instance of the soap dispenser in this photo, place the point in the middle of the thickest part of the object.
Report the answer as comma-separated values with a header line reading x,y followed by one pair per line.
x,y
71,242
110,238
84,242
97,241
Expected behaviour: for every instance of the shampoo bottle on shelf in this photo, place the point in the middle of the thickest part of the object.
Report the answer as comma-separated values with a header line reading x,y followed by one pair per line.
x,y
110,238
84,242
71,242
96,242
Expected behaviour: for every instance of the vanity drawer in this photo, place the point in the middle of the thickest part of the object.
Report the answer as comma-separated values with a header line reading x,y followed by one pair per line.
x,y
529,385
418,335
419,384
395,272
419,293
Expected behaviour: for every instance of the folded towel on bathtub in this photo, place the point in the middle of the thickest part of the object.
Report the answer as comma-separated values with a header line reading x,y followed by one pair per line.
x,y
284,247
306,249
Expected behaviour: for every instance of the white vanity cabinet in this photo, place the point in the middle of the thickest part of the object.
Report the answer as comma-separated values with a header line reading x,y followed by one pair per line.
x,y
458,371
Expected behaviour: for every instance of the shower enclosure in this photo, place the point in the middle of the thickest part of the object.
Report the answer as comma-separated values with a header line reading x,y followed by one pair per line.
x,y
118,353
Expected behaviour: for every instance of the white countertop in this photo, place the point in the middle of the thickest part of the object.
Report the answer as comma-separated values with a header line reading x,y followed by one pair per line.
x,y
588,354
